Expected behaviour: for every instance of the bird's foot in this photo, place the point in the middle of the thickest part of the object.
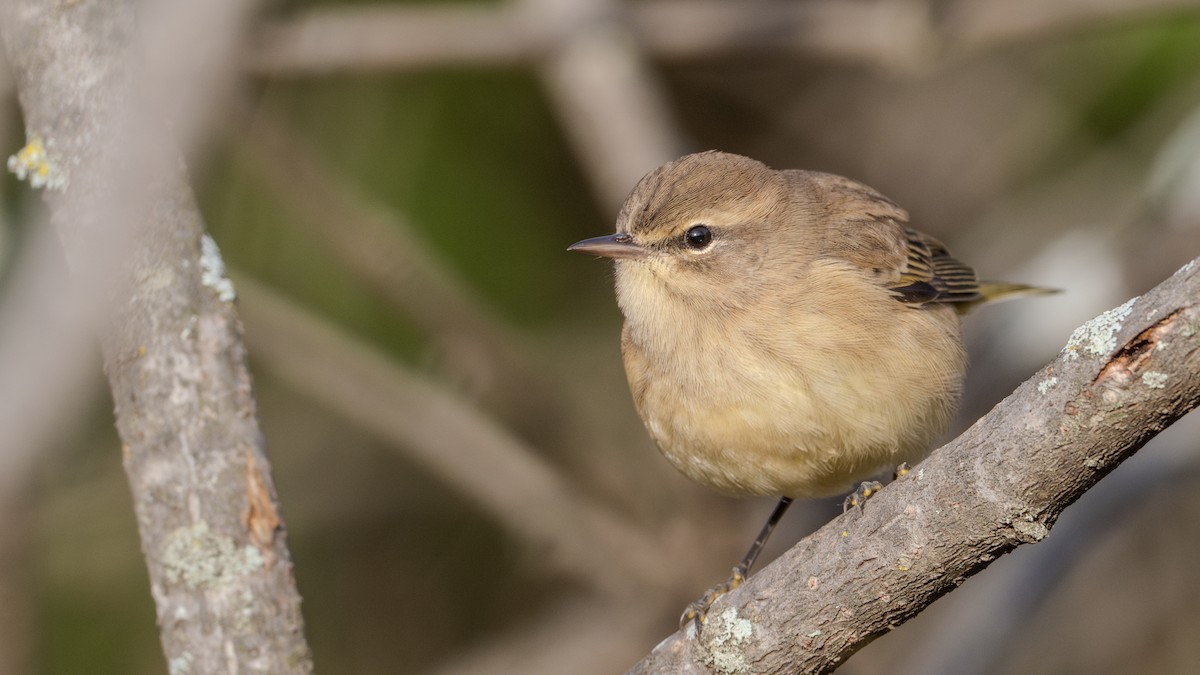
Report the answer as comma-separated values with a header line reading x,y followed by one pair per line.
x,y
856,499
697,612
901,470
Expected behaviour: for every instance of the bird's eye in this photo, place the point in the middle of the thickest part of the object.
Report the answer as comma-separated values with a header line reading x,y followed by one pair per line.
x,y
697,237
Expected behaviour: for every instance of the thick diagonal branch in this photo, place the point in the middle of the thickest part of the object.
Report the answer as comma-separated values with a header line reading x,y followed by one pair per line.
x,y
1122,378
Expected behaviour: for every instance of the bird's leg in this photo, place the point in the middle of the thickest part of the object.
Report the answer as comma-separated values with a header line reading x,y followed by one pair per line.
x,y
901,470
697,611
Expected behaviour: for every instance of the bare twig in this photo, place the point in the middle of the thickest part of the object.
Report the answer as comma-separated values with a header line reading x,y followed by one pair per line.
x,y
377,244
593,55
214,544
386,36
1122,378
483,354
886,34
459,445
383,250
609,101
46,354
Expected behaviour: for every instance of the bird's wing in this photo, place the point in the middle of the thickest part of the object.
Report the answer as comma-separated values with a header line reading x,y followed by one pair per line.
x,y
874,236
930,274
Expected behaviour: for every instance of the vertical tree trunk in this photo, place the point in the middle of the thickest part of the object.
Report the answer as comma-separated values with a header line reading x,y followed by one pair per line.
x,y
211,532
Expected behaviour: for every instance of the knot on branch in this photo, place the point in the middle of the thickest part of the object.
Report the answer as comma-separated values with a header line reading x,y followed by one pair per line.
x,y
1029,530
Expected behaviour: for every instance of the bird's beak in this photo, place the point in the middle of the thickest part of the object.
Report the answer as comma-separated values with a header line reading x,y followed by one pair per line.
x,y
615,246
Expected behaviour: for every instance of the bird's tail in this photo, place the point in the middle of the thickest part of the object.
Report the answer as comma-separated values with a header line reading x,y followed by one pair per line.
x,y
991,291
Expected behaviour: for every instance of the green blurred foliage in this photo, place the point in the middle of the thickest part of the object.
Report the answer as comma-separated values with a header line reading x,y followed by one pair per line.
x,y
1151,61
474,160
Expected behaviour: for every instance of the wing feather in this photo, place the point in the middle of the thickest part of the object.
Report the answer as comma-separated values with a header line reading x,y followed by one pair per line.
x,y
871,233
929,263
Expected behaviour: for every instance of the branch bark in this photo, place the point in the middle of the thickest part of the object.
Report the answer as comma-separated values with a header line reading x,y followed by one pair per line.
x,y
152,284
1123,377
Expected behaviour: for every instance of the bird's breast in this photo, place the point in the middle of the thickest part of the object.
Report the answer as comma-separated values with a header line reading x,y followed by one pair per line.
x,y
794,398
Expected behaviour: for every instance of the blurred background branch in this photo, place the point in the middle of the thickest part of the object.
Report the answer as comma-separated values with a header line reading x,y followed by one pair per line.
x,y
387,255
457,444
885,34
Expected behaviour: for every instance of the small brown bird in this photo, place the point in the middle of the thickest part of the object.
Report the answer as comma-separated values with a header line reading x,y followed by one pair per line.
x,y
786,333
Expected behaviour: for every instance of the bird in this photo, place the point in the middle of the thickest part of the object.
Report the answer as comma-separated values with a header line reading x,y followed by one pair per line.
x,y
786,332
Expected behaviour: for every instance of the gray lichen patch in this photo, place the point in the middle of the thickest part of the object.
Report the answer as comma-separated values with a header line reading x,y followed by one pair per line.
x,y
1098,336
212,270
1154,380
724,642
201,558
1047,384
182,664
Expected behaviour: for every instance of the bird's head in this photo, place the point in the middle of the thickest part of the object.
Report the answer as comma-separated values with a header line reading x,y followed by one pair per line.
x,y
705,231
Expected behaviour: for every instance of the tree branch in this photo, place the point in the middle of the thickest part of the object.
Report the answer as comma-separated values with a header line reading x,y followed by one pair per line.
x,y
152,285
1123,377
883,34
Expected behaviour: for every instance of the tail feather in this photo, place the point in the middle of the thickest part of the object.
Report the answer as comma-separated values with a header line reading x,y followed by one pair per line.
x,y
992,291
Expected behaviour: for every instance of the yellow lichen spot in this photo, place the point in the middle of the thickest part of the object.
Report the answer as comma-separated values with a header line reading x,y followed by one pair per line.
x,y
33,162
141,351
845,534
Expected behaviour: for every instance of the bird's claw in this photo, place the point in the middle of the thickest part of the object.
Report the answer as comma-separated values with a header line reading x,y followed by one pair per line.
x,y
856,499
697,611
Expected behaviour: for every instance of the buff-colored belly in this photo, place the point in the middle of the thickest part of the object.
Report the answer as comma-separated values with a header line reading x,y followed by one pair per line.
x,y
803,422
